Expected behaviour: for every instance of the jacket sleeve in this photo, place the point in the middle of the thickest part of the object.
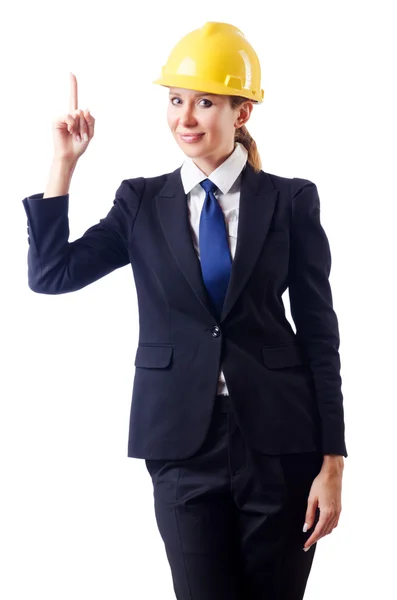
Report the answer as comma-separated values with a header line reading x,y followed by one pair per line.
x,y
57,266
312,310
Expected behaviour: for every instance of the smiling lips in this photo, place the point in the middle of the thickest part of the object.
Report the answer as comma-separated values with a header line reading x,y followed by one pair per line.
x,y
191,138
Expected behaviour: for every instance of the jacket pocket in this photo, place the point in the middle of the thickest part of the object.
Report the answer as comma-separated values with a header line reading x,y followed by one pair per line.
x,y
153,357
277,357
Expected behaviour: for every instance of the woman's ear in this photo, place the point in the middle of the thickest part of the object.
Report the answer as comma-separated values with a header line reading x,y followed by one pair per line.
x,y
244,114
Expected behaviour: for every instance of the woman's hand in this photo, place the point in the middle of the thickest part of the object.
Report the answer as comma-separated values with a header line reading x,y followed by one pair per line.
x,y
326,495
73,131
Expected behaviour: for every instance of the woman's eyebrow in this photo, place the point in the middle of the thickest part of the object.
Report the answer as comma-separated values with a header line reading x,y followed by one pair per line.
x,y
195,95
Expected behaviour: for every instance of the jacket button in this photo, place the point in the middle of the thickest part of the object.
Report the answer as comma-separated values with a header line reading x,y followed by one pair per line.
x,y
216,332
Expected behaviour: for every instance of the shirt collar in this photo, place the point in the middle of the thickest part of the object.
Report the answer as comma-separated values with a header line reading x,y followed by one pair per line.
x,y
223,177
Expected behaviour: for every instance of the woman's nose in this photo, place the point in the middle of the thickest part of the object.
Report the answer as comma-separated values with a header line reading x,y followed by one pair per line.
x,y
187,117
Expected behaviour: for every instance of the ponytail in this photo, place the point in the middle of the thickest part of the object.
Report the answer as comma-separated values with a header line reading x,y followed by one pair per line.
x,y
243,136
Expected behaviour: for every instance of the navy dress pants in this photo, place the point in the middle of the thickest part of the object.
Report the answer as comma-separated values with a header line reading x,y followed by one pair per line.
x,y
231,518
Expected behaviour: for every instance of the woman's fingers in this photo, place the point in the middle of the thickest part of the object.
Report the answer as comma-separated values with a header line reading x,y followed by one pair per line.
x,y
81,124
73,98
70,121
90,123
83,128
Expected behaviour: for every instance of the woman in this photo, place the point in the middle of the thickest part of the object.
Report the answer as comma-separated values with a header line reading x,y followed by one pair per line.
x,y
240,420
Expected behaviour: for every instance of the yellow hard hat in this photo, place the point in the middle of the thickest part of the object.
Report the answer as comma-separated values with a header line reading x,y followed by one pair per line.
x,y
216,59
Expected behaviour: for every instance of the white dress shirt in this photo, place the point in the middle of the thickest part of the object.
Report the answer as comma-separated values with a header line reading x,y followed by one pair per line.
x,y
227,178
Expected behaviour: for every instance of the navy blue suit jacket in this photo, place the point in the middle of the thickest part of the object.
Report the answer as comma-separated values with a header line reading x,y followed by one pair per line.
x,y
285,386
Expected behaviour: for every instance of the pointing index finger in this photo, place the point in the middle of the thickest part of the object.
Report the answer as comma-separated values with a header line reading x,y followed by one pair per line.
x,y
73,98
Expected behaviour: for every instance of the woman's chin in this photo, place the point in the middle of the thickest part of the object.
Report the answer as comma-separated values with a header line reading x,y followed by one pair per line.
x,y
193,150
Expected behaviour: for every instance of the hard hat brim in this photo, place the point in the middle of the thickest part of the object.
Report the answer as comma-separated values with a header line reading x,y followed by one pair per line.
x,y
200,85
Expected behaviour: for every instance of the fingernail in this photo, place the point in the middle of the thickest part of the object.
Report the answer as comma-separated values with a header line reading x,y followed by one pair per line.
x,y
78,138
306,549
305,527
85,136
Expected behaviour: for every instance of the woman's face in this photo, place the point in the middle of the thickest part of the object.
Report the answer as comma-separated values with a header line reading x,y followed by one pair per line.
x,y
203,125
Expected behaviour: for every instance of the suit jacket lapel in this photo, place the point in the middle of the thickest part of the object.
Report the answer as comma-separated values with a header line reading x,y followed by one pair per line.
x,y
257,202
173,213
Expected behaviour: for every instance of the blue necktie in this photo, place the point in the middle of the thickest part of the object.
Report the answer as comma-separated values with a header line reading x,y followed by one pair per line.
x,y
215,258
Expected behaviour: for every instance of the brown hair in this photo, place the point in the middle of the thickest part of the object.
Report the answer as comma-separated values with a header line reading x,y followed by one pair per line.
x,y
242,135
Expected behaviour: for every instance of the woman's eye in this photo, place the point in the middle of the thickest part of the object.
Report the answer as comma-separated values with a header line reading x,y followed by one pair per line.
x,y
209,103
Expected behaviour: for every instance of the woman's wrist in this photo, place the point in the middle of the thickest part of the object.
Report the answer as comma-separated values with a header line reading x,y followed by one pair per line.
x,y
60,177
333,462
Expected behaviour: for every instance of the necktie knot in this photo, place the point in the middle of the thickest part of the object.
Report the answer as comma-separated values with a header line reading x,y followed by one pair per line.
x,y
208,186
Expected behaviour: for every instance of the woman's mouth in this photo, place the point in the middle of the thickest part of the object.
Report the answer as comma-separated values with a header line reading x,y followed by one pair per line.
x,y
191,138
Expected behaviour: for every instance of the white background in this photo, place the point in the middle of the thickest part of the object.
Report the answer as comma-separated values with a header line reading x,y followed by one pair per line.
x,y
76,514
